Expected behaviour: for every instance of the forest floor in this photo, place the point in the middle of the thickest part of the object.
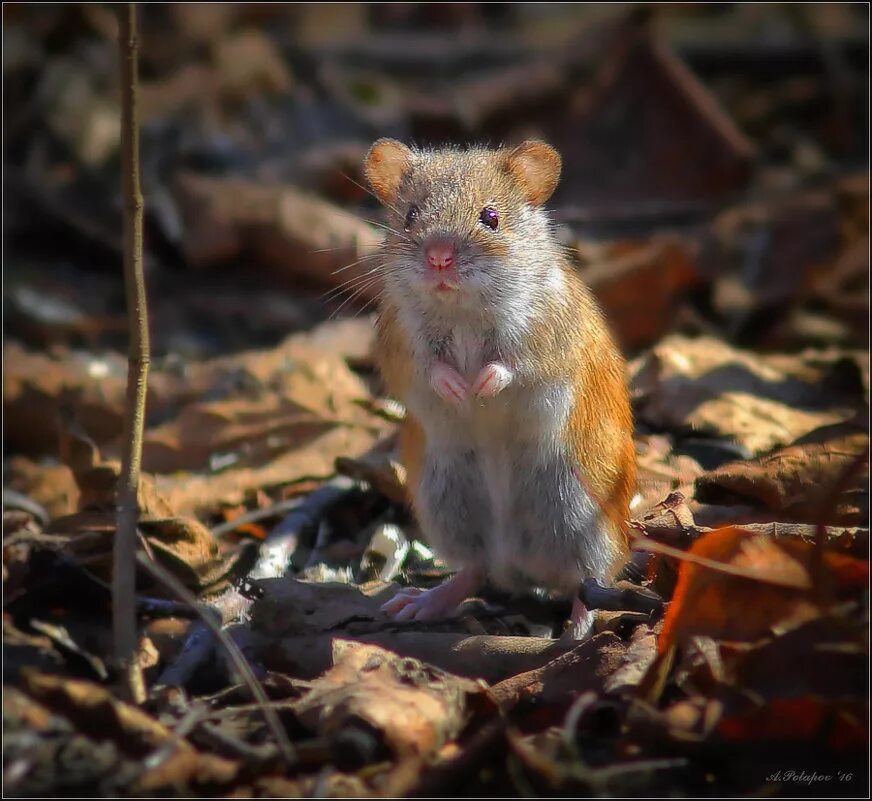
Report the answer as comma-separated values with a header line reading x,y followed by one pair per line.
x,y
715,197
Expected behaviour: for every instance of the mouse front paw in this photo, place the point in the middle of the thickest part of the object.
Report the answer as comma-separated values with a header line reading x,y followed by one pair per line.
x,y
449,384
493,379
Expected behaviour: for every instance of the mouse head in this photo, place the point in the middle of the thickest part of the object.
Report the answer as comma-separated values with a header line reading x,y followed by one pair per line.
x,y
467,225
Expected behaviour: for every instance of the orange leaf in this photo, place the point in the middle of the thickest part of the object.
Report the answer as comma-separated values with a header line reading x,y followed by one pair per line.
x,y
737,585
800,719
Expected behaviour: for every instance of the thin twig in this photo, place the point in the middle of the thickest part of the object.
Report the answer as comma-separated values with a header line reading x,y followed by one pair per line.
x,y
275,557
239,662
791,582
127,509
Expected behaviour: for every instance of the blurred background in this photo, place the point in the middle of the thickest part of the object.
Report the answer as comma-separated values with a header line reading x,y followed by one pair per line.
x,y
715,196
715,172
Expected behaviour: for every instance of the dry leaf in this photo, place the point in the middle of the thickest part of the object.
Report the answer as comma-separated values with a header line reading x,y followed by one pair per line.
x,y
51,486
97,713
759,402
33,383
649,131
193,493
414,707
655,277
243,432
799,482
774,588
183,544
839,726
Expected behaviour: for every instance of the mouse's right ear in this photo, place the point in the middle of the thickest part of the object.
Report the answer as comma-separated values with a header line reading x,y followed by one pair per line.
x,y
385,166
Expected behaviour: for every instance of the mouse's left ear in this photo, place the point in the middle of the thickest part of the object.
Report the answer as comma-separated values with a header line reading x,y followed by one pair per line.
x,y
536,167
385,166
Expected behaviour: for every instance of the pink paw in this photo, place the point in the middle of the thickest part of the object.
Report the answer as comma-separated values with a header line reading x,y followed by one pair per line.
x,y
449,384
492,379
416,604
581,622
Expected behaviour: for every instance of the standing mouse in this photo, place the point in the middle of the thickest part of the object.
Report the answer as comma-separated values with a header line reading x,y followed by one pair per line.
x,y
518,442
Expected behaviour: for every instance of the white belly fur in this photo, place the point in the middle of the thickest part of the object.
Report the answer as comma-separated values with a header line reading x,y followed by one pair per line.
x,y
507,453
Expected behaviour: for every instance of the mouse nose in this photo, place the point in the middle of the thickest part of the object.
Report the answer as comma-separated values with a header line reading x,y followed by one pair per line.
x,y
440,256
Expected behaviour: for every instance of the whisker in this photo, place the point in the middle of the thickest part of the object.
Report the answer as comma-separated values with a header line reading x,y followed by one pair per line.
x,y
356,263
358,218
381,253
358,279
372,302
356,294
349,286
394,231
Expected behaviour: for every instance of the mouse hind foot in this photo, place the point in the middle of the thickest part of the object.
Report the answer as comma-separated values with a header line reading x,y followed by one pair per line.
x,y
581,620
413,603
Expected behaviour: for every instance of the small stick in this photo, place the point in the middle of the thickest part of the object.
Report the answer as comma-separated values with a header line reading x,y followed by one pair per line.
x,y
187,724
279,547
127,505
239,662
274,560
620,599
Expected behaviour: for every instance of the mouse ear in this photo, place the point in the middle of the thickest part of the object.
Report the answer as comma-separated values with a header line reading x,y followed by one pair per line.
x,y
536,168
385,166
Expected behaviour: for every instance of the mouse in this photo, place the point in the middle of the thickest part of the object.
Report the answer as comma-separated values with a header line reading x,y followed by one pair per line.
x,y
518,437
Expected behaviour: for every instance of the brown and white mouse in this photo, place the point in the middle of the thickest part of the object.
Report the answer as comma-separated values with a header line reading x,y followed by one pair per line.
x,y
519,437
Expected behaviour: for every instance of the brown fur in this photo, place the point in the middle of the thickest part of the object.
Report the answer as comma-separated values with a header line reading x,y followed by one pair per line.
x,y
568,340
573,340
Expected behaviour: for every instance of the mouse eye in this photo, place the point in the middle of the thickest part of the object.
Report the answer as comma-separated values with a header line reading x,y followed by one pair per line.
x,y
490,218
411,216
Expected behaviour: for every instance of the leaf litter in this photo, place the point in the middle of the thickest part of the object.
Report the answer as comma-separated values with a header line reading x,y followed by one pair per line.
x,y
732,652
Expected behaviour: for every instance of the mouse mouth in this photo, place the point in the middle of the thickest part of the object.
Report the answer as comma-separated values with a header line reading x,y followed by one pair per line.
x,y
445,286
442,283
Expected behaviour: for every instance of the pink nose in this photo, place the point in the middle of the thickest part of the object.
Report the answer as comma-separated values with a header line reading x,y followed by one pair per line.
x,y
440,256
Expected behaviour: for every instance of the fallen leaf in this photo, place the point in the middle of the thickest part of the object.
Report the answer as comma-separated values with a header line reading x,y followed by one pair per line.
x,y
183,768
655,276
196,493
738,585
789,237
34,383
51,486
841,726
184,544
649,131
758,401
248,63
95,712
799,482
414,707
240,432
826,658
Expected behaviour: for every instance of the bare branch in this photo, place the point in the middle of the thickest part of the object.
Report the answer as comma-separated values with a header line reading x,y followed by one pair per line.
x,y
124,556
